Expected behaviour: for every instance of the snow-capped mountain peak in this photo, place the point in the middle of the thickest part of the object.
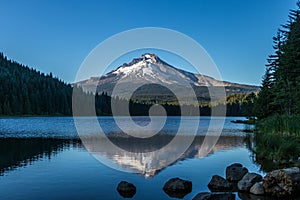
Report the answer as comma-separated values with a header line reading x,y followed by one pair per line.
x,y
149,68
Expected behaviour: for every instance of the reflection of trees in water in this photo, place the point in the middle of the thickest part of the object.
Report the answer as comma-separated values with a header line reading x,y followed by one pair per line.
x,y
259,152
16,153
250,142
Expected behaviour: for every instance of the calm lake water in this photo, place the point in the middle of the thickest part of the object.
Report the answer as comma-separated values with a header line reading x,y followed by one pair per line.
x,y
43,158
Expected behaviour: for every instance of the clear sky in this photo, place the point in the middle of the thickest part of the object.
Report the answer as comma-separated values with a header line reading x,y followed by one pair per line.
x,y
56,35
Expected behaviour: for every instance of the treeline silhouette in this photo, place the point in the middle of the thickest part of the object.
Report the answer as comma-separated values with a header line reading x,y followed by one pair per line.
x,y
280,92
26,91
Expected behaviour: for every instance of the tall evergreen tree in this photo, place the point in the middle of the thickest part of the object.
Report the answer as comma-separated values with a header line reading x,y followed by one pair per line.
x,y
279,92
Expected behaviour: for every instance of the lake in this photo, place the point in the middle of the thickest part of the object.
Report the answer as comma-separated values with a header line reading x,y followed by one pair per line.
x,y
43,158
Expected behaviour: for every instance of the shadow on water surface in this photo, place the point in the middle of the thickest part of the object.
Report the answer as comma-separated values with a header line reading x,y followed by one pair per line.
x,y
16,152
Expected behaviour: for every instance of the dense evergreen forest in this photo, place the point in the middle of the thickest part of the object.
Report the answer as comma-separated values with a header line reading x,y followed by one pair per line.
x,y
25,91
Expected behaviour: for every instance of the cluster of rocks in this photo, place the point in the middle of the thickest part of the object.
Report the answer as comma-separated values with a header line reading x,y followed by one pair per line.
x,y
238,178
281,183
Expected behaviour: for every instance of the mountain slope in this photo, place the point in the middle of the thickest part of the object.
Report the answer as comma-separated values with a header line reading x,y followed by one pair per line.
x,y
150,69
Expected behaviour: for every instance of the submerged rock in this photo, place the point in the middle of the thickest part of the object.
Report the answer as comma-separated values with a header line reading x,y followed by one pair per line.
x,y
177,187
214,196
219,184
282,182
257,189
248,181
126,190
235,172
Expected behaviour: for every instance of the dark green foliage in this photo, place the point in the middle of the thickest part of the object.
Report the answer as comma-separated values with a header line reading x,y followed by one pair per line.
x,y
277,148
287,125
278,141
280,87
241,104
25,91
278,103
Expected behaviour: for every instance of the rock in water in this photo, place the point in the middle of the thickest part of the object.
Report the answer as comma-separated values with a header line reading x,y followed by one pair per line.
x,y
235,172
257,189
177,188
126,190
214,196
248,181
282,182
219,184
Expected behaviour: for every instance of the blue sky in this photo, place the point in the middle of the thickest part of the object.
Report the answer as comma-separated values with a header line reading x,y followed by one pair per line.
x,y
55,36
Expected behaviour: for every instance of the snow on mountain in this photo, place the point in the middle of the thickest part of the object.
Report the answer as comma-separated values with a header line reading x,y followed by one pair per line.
x,y
151,69
146,67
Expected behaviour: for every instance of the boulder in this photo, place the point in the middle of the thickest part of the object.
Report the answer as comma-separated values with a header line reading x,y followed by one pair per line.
x,y
126,190
219,184
257,189
283,182
248,181
177,188
214,196
235,172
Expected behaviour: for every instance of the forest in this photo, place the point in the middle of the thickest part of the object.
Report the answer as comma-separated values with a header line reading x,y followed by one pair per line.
x,y
280,94
26,91
281,82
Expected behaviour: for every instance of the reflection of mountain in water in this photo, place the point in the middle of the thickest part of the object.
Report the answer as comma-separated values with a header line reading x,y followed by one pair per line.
x,y
141,157
16,153
136,156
